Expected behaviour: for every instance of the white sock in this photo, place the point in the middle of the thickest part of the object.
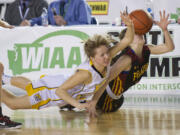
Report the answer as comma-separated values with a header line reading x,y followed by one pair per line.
x,y
6,79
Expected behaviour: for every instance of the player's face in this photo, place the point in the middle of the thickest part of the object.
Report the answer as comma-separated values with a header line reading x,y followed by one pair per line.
x,y
101,56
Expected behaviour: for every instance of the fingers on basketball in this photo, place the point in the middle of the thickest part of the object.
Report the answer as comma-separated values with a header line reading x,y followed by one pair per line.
x,y
142,21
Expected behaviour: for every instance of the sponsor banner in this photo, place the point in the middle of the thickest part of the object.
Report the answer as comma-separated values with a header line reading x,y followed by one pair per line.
x,y
167,100
99,7
34,51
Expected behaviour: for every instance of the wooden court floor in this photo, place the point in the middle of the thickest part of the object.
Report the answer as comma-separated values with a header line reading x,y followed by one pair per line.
x,y
127,121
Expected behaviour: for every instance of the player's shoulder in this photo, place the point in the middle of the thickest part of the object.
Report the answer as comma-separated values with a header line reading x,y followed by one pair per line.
x,y
84,65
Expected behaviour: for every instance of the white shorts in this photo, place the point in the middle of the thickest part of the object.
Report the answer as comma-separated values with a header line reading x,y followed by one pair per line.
x,y
42,92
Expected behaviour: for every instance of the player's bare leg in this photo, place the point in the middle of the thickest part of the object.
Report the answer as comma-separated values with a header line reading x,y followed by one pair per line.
x,y
5,121
15,102
20,82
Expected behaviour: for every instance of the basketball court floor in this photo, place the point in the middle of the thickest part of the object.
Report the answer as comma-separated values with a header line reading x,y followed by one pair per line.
x,y
127,121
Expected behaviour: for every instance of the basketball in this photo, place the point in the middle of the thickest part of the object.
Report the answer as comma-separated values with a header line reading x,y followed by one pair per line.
x,y
142,21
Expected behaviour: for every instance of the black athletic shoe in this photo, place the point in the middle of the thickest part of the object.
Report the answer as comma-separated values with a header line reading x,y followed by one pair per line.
x,y
67,107
70,107
5,122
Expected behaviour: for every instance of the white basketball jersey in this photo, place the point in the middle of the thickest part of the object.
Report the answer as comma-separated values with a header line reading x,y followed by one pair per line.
x,y
80,92
97,80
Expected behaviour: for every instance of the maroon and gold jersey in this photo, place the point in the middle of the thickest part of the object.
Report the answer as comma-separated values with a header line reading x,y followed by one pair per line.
x,y
125,79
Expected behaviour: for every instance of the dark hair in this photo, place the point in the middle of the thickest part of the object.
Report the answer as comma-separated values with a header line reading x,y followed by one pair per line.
x,y
95,42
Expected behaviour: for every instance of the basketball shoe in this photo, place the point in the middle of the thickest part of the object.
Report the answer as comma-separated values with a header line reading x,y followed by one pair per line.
x,y
6,123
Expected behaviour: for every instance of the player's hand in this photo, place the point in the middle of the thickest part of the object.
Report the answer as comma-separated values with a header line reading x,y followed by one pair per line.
x,y
163,23
82,106
126,19
92,109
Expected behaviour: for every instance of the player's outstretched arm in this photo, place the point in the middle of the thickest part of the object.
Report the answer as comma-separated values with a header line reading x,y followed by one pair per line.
x,y
92,103
80,77
128,38
169,44
122,63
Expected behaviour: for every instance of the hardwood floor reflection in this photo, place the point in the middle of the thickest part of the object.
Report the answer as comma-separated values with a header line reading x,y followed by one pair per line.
x,y
124,122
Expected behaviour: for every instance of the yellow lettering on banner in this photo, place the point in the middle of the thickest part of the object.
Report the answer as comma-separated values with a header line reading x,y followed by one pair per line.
x,y
99,7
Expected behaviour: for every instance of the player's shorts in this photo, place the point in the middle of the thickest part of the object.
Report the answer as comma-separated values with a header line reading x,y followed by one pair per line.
x,y
42,96
107,104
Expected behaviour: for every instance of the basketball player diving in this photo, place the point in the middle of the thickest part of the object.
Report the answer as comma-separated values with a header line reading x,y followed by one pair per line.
x,y
59,90
128,69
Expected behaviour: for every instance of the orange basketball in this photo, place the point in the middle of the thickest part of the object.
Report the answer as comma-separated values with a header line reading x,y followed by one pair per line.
x,y
142,21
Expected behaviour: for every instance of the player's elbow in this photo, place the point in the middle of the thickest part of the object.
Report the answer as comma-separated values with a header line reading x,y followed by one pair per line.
x,y
59,92
13,107
171,48
168,48
127,41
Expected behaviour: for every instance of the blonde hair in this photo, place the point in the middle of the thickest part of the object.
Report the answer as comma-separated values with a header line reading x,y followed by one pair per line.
x,y
95,42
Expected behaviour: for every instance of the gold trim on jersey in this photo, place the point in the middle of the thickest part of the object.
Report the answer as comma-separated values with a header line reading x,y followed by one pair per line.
x,y
30,90
105,102
101,74
98,86
41,103
90,62
56,99
78,92
89,73
42,76
117,90
108,104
